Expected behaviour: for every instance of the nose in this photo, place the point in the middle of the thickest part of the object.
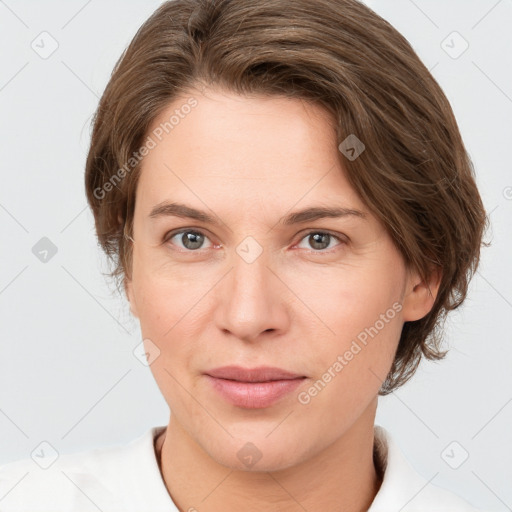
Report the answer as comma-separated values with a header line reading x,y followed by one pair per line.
x,y
252,301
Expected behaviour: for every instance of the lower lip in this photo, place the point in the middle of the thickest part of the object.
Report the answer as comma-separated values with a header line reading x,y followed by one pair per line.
x,y
254,395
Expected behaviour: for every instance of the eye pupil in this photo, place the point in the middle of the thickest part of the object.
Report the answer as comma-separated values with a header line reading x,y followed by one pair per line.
x,y
192,240
320,240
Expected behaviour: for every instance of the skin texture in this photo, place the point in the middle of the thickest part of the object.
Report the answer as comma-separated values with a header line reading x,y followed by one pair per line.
x,y
249,161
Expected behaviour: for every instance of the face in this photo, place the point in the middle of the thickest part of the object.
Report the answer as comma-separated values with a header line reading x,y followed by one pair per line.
x,y
239,280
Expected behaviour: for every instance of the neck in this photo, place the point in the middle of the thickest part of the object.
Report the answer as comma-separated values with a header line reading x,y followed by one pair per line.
x,y
340,477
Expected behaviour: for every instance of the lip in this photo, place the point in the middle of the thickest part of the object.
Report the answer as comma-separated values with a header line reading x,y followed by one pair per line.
x,y
254,388
259,374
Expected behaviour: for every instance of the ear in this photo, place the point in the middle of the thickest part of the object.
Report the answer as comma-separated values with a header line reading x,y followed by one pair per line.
x,y
128,288
420,295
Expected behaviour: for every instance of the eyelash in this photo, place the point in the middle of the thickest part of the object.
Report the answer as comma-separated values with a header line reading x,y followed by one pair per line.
x,y
339,238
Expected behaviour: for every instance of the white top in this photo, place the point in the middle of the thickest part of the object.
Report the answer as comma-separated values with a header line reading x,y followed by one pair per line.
x,y
127,479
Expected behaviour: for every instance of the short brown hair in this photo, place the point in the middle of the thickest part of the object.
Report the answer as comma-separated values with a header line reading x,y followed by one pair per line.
x,y
414,174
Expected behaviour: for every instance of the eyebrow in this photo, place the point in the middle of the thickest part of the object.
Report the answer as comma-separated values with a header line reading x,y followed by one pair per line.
x,y
167,209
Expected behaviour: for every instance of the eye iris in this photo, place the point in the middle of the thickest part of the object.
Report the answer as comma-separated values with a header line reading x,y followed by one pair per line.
x,y
319,240
192,240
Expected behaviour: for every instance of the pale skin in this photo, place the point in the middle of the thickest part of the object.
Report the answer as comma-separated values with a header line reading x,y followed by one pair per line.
x,y
249,162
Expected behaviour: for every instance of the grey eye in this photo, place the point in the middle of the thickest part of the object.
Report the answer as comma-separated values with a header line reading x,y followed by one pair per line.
x,y
320,240
191,240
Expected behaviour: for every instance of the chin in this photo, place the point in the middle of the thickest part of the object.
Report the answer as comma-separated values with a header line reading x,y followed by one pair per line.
x,y
258,455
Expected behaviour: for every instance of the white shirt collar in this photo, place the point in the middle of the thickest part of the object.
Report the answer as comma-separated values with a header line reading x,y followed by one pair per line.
x,y
127,478
403,489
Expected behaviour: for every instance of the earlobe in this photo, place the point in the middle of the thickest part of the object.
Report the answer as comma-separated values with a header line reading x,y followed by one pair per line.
x,y
420,295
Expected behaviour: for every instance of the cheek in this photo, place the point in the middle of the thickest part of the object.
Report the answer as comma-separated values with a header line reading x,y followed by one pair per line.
x,y
162,310
353,368
362,309
171,307
351,299
163,294
164,313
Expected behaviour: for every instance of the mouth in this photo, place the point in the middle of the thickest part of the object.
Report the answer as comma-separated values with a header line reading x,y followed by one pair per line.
x,y
260,374
255,388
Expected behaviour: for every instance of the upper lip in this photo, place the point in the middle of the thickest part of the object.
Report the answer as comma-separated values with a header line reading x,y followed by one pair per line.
x,y
260,374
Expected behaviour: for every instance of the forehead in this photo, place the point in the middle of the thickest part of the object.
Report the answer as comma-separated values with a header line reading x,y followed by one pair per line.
x,y
249,150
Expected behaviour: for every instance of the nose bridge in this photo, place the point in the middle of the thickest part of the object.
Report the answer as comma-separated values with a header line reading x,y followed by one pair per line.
x,y
250,279
251,299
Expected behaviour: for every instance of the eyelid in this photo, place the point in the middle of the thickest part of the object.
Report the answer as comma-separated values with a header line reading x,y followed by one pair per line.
x,y
179,231
342,238
174,232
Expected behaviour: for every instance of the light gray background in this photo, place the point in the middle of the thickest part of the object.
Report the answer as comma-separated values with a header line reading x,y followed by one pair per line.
x,y
67,371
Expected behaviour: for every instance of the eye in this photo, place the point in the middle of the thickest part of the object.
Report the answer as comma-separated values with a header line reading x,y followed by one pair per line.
x,y
321,240
191,240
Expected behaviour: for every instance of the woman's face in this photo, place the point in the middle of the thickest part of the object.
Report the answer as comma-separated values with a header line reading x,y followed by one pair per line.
x,y
251,283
